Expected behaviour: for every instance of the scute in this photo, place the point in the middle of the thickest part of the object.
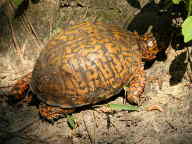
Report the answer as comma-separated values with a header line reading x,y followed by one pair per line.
x,y
85,64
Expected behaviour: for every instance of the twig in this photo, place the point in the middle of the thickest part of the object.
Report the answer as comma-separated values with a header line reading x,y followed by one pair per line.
x,y
18,50
94,129
91,141
30,26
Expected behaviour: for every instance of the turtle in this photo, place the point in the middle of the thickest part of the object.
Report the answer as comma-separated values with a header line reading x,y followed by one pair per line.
x,y
85,64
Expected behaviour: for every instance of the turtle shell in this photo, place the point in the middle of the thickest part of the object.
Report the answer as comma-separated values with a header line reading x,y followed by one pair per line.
x,y
85,64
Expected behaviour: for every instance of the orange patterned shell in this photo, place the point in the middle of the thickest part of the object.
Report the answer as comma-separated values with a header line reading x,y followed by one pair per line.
x,y
85,64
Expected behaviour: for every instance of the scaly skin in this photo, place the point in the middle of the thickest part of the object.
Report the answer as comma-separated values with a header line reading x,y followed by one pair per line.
x,y
51,113
136,87
19,91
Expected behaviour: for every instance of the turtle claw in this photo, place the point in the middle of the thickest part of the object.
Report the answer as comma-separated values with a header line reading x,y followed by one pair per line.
x,y
20,90
133,100
51,114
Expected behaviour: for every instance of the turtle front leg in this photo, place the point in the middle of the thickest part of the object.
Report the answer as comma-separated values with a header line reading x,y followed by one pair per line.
x,y
135,87
18,92
52,113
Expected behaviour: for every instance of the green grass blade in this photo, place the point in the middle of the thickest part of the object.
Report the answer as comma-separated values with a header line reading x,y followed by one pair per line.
x,y
123,107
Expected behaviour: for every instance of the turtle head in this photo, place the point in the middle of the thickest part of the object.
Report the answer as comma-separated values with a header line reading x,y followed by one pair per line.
x,y
148,46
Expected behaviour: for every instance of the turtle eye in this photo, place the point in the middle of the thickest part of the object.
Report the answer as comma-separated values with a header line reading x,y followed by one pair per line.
x,y
150,43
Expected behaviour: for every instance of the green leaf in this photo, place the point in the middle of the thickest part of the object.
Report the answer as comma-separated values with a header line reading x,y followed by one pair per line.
x,y
187,29
17,2
71,121
176,1
123,107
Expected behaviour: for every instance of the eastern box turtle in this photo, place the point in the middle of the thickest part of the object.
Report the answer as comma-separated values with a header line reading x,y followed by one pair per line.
x,y
85,64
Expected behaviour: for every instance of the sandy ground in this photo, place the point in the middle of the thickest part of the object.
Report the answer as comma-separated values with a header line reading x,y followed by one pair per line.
x,y
166,87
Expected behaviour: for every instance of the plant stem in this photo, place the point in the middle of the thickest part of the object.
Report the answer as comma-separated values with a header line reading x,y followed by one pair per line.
x,y
189,10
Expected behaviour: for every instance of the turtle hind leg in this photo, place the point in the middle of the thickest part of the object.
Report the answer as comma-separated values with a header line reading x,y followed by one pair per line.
x,y
52,113
20,92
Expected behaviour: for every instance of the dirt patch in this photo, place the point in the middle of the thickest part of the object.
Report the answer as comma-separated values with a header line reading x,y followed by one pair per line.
x,y
166,84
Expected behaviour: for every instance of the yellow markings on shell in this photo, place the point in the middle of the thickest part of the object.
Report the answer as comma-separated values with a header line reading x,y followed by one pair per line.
x,y
75,62
91,76
117,35
71,38
60,34
81,46
104,40
62,37
71,32
52,43
90,29
81,91
109,45
55,60
93,41
81,25
97,47
68,83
